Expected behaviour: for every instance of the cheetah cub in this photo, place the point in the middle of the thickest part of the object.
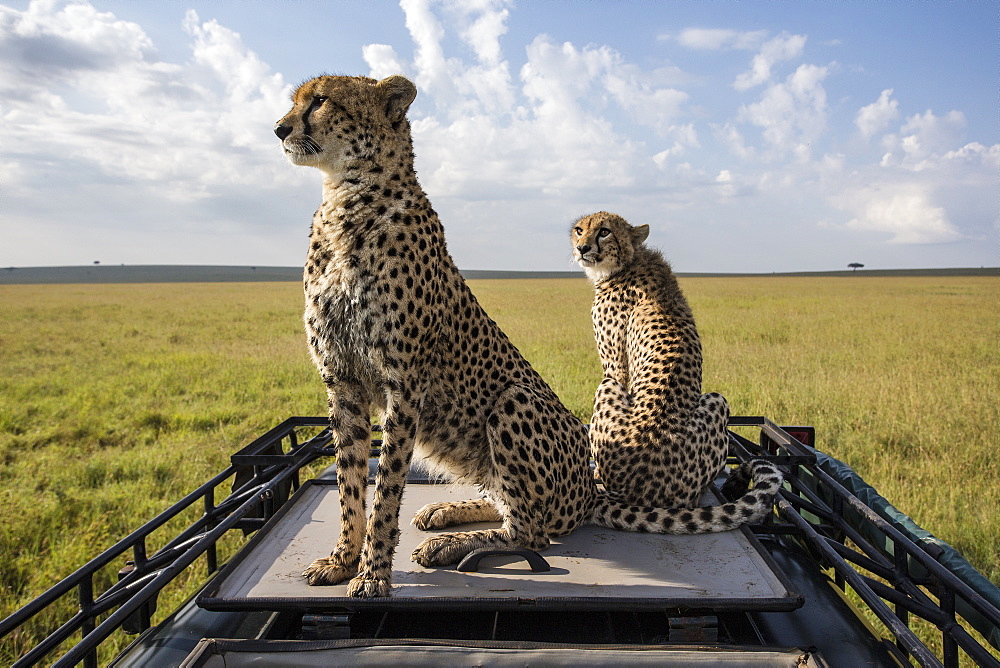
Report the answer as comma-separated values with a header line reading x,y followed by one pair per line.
x,y
655,437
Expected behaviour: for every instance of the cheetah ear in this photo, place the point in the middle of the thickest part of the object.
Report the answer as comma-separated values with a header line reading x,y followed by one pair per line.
x,y
399,94
639,234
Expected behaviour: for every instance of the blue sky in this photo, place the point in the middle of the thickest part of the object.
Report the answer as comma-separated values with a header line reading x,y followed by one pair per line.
x,y
751,136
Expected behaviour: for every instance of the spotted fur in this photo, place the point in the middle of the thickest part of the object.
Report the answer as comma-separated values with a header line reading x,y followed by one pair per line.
x,y
655,437
395,331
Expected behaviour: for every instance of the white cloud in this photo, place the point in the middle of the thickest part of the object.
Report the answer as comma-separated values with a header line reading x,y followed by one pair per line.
x,y
975,155
431,65
731,137
923,138
875,117
685,137
449,80
905,211
382,61
481,25
558,140
110,141
781,48
182,129
104,140
649,105
253,93
792,114
726,184
563,126
715,39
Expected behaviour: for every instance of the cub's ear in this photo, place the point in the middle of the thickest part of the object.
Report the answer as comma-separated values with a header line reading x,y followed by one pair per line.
x,y
639,234
399,93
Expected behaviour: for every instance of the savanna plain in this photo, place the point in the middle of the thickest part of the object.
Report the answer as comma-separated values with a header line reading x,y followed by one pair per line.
x,y
116,400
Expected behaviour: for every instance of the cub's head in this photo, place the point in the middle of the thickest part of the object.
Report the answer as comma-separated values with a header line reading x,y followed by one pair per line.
x,y
604,244
335,121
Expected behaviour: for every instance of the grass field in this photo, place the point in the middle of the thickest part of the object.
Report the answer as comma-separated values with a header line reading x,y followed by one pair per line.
x,y
117,399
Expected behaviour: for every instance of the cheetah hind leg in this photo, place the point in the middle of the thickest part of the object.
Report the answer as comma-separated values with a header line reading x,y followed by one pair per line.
x,y
510,435
446,549
450,513
612,409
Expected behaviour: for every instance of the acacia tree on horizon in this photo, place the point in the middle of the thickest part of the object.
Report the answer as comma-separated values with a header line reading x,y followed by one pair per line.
x,y
855,265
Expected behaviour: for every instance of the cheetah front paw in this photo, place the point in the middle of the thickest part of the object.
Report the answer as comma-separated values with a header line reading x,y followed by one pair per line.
x,y
441,550
327,571
368,587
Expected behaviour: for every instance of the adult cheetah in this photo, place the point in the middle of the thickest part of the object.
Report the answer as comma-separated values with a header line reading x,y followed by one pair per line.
x,y
655,437
393,328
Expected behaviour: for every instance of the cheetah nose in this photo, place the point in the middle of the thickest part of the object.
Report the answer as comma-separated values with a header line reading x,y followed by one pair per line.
x,y
282,131
583,249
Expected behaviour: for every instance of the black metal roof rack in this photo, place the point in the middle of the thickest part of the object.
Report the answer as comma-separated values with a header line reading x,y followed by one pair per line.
x,y
886,563
261,472
898,573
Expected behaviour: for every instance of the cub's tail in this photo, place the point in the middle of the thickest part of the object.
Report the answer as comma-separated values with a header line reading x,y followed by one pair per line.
x,y
743,507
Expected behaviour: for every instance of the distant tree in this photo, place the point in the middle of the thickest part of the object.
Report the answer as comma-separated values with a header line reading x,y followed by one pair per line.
x,y
855,265
97,261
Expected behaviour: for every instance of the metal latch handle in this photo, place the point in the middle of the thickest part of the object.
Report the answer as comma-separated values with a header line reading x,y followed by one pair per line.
x,y
472,559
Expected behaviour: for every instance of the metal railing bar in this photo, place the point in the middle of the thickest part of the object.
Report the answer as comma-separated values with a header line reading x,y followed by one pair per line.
x,y
862,560
140,586
916,551
135,538
952,632
297,459
841,525
114,596
204,520
909,596
52,641
864,544
68,583
930,613
910,641
117,618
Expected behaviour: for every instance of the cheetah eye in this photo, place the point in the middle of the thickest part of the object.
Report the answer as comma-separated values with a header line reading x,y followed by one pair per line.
x,y
578,230
603,233
319,100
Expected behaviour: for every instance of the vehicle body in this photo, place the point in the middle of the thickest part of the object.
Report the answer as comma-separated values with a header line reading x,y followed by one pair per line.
x,y
597,604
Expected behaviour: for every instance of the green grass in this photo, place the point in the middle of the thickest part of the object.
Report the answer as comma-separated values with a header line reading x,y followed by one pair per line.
x,y
117,399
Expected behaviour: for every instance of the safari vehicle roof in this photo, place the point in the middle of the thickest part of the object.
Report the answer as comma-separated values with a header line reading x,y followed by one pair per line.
x,y
770,594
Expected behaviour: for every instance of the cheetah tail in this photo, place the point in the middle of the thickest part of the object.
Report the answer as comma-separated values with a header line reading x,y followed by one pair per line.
x,y
752,506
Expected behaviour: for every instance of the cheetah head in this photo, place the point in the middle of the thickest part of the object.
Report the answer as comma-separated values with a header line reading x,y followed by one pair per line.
x,y
339,121
604,244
